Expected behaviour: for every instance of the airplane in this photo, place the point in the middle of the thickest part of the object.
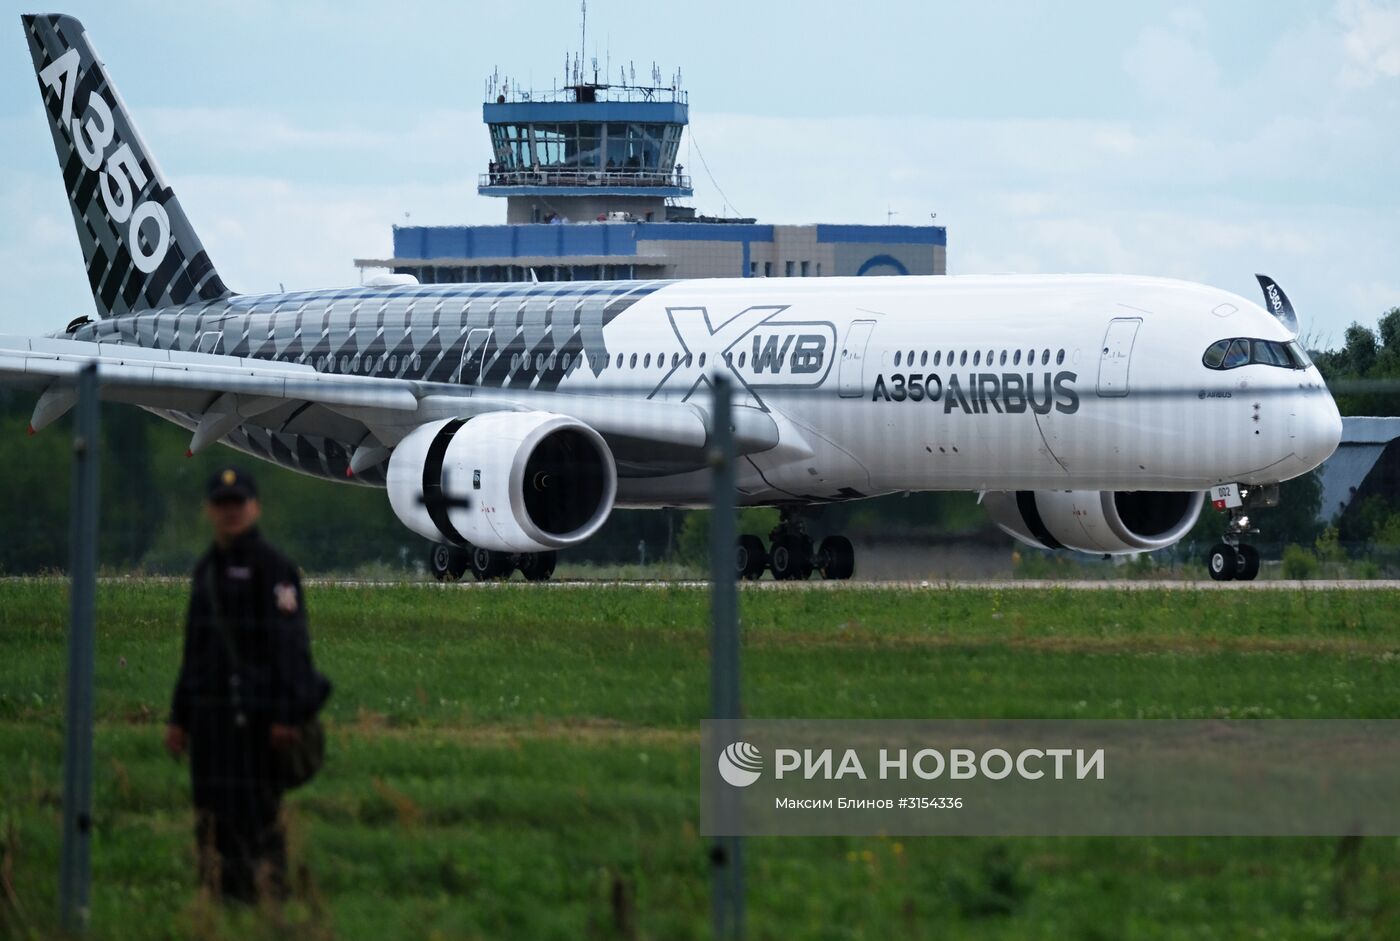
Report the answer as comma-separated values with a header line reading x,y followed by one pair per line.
x,y
1092,413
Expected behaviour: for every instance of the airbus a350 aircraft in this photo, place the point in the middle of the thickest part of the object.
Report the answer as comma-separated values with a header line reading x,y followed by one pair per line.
x,y
507,421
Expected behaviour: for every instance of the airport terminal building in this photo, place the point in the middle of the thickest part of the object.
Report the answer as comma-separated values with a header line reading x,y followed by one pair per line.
x,y
592,184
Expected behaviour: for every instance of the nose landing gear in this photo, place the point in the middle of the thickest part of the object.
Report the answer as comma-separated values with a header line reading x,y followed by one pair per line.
x,y
1232,557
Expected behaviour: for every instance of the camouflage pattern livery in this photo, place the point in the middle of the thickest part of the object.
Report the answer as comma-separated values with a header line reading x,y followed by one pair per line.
x,y
476,335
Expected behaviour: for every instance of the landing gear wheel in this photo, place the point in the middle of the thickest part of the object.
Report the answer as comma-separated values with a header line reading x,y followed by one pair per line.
x,y
1222,562
447,563
750,559
538,566
1246,563
836,558
487,565
791,558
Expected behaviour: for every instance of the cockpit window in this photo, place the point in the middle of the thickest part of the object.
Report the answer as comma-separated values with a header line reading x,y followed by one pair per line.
x,y
1272,353
1241,351
1236,355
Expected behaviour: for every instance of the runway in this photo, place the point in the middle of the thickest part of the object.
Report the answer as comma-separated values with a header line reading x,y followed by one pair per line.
x,y
1325,584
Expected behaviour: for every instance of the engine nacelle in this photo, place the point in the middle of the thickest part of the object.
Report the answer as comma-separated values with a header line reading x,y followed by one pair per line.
x,y
1096,521
507,481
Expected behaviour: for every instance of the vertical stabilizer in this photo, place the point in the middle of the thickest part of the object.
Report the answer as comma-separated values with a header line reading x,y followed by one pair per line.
x,y
140,250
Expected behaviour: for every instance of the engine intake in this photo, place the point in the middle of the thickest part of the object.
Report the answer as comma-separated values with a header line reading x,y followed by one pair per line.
x,y
1096,521
507,481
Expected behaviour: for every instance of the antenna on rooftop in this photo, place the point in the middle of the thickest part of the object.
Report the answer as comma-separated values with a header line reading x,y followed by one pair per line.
x,y
583,30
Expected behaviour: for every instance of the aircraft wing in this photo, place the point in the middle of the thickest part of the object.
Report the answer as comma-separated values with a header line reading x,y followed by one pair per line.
x,y
218,393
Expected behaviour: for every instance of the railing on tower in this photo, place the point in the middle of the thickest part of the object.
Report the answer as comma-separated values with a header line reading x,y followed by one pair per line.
x,y
583,176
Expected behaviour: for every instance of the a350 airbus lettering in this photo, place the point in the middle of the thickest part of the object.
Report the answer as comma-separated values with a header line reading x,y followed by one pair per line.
x,y
121,179
983,392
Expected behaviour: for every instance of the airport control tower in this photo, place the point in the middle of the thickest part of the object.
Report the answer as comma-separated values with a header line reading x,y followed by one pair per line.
x,y
593,187
590,151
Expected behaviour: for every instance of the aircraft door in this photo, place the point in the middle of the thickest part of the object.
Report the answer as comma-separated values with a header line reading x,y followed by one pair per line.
x,y
1117,355
474,355
851,373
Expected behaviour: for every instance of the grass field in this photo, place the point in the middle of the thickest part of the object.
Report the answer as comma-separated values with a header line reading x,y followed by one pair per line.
x,y
518,763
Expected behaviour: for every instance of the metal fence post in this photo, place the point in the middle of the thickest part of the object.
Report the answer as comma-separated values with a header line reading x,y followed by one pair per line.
x,y
77,748
726,853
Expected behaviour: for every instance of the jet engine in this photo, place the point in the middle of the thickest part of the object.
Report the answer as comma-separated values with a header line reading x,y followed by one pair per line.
x,y
506,481
1096,521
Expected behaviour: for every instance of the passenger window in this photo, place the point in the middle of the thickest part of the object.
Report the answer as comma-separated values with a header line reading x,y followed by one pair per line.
x,y
1030,357
962,358
1215,354
977,358
1003,358
632,363
896,357
702,360
1016,359
1060,358
1237,355
646,361
937,356
1045,357
923,358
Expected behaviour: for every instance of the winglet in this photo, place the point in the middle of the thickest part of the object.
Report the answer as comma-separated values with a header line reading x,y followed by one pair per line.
x,y
1277,303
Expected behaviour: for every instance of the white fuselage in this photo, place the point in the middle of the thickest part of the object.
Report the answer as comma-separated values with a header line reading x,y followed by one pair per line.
x,y
860,386
929,384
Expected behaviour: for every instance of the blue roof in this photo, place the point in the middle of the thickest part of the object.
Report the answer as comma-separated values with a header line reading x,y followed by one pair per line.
x,y
620,238
549,190
884,234
640,112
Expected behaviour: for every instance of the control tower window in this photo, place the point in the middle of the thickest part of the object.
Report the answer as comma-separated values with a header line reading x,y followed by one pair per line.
x,y
590,140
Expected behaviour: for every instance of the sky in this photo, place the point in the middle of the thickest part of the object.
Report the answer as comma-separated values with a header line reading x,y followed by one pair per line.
x,y
1203,141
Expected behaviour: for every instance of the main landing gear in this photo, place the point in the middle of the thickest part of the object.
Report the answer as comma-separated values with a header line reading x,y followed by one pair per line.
x,y
790,555
450,563
1232,557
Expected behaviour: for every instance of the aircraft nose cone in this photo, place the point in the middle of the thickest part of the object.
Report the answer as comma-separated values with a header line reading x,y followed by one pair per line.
x,y
1320,430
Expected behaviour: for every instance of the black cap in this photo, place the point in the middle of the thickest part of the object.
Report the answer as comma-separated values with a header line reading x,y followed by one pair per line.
x,y
230,483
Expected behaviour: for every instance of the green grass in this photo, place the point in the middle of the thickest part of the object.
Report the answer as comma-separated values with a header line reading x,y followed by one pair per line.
x,y
509,761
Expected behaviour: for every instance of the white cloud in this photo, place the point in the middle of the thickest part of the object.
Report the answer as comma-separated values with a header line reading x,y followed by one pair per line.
x,y
1371,40
1172,67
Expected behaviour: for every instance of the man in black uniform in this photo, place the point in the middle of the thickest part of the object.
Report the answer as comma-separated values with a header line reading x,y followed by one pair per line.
x,y
246,683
